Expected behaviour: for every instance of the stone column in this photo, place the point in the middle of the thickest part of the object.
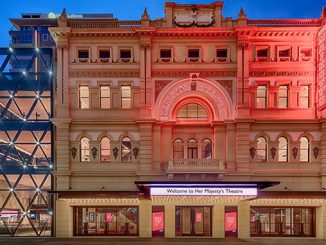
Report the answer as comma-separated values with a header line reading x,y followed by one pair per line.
x,y
321,222
242,146
218,221
230,146
156,166
322,152
145,218
64,219
145,147
244,220
220,143
169,220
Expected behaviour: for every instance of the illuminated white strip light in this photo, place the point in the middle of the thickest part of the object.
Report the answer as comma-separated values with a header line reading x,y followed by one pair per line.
x,y
202,191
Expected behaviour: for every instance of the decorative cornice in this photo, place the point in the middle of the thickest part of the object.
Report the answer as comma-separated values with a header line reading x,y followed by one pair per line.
x,y
180,74
104,74
280,73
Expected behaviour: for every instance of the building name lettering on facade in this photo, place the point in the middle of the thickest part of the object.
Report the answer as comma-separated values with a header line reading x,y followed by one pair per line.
x,y
203,191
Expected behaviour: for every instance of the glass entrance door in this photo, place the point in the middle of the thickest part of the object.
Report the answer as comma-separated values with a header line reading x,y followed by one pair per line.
x,y
231,221
193,221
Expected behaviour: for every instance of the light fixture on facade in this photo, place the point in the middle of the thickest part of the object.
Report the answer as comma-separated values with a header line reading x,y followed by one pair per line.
x,y
50,73
11,49
37,143
11,143
24,73
24,213
50,213
37,50
11,96
24,166
50,166
11,189
24,119
37,189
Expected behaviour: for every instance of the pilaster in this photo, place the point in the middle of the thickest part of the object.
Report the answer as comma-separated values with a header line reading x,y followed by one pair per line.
x,y
169,221
145,218
244,220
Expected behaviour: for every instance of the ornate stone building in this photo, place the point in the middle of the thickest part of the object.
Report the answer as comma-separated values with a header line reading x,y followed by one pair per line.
x,y
190,125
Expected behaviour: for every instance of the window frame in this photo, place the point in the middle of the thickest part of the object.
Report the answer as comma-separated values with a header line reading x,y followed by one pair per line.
x,y
265,157
104,60
85,150
279,149
194,59
307,150
83,60
279,97
121,154
178,142
101,149
307,97
126,60
262,97
125,97
80,97
105,97
222,59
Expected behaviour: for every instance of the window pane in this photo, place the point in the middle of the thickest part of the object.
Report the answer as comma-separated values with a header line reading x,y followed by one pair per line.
x,y
83,54
192,110
125,54
126,150
304,149
282,149
193,53
126,97
261,149
283,97
221,53
104,54
304,96
105,150
83,97
84,149
261,97
165,53
105,97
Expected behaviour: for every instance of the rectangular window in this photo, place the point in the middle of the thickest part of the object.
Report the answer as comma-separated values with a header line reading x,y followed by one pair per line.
x,y
104,55
262,54
125,55
304,96
83,55
126,97
45,37
165,55
282,221
193,53
106,221
105,97
305,54
83,97
261,101
221,54
193,221
283,97
284,54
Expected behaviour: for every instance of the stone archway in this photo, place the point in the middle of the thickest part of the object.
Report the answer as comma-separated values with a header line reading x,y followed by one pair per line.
x,y
213,93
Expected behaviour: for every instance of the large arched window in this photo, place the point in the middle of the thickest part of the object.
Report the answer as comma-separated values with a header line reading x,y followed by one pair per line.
x,y
207,149
261,149
105,149
283,149
304,149
178,149
126,149
192,111
192,149
84,149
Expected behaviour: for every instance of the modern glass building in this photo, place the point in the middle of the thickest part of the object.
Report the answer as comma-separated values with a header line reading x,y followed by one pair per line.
x,y
26,135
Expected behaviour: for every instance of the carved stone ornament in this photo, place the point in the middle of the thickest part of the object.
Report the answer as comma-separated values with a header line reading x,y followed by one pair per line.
x,y
193,19
316,151
273,152
73,152
115,152
295,152
252,152
94,152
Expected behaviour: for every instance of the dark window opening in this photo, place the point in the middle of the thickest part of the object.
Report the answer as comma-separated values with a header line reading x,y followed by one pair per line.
x,y
193,53
262,53
83,54
125,54
221,53
104,54
165,53
284,53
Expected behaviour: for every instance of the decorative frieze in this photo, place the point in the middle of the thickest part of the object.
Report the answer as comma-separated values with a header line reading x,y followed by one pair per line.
x,y
280,73
186,74
104,74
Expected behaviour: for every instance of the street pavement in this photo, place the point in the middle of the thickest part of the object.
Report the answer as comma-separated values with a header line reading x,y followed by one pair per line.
x,y
159,241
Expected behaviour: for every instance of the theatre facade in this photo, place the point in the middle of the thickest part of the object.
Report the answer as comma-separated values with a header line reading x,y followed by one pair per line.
x,y
190,125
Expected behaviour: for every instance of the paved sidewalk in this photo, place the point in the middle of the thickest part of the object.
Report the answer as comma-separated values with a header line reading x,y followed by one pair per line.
x,y
159,241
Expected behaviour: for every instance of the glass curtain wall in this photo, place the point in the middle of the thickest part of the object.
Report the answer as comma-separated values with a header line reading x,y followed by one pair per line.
x,y
26,155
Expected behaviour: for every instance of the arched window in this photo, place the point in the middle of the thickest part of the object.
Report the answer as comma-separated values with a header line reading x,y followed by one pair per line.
x,y
261,149
304,149
283,149
84,149
192,110
105,149
192,149
207,149
126,149
178,149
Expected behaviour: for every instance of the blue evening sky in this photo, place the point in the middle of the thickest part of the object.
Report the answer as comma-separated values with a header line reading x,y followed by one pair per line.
x,y
132,9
